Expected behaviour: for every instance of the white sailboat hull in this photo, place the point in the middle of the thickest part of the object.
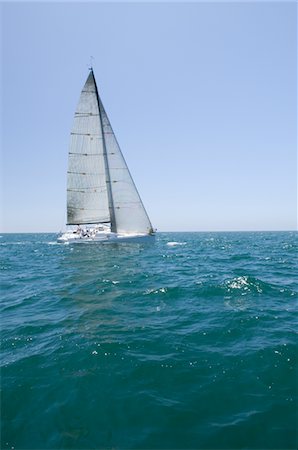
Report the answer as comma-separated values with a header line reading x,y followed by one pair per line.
x,y
70,237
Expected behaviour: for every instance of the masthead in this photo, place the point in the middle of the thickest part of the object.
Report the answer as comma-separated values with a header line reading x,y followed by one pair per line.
x,y
91,63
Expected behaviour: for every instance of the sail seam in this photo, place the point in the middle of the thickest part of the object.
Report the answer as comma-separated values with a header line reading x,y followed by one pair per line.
x,y
84,209
86,134
85,154
85,173
86,114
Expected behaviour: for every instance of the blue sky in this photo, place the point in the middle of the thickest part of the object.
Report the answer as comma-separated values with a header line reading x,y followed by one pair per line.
x,y
202,98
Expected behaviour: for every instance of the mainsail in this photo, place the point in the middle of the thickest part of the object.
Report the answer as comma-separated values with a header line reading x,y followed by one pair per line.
x,y
87,199
100,188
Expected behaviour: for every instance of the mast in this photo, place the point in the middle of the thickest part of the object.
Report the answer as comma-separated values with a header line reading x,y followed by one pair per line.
x,y
107,169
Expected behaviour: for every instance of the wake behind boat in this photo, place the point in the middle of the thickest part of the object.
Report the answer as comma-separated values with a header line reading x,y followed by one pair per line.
x,y
103,204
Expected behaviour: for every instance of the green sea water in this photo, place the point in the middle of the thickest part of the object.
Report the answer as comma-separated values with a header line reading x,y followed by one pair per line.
x,y
187,343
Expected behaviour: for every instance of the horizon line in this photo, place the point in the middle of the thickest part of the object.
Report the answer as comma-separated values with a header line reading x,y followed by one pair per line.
x,y
168,231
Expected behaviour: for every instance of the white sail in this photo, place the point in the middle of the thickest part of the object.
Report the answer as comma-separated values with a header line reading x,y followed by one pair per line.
x,y
100,188
87,194
129,213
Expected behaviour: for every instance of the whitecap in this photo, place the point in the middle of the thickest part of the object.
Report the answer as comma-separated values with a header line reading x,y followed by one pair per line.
x,y
174,243
238,283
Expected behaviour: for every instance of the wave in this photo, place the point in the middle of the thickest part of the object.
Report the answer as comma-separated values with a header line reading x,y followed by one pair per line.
x,y
237,288
242,287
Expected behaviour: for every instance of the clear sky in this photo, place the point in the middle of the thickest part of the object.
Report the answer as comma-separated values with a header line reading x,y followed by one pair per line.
x,y
202,98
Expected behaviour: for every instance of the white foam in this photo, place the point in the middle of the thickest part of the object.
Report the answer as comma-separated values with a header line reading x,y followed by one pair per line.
x,y
174,243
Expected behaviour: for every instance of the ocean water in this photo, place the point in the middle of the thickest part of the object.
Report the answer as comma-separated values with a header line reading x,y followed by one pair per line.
x,y
188,343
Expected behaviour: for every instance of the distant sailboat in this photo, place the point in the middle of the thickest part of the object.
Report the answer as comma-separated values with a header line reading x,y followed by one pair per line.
x,y
102,200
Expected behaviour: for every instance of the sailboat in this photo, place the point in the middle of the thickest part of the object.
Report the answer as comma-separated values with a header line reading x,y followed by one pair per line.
x,y
103,204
